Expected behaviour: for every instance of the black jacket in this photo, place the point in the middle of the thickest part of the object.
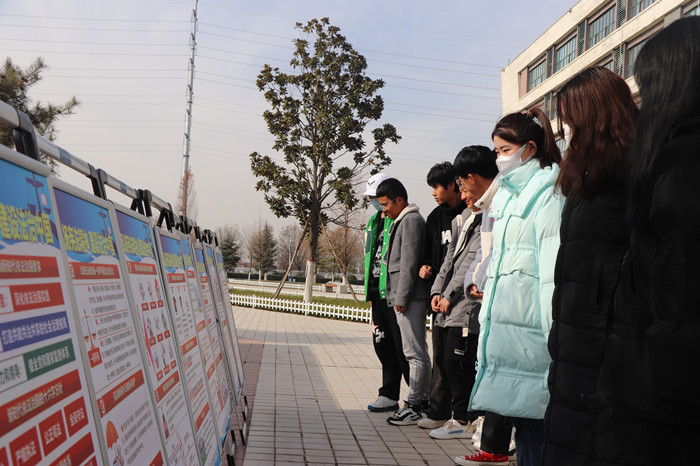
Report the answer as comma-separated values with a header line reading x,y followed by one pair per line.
x,y
651,367
594,237
438,224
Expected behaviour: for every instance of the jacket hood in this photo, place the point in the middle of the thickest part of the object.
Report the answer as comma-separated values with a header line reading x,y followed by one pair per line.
x,y
524,184
408,209
484,201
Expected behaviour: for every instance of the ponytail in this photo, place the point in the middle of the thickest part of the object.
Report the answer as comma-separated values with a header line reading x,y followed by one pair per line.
x,y
532,125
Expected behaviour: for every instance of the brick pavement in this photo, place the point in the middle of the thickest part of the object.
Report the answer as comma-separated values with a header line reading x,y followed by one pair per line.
x,y
309,381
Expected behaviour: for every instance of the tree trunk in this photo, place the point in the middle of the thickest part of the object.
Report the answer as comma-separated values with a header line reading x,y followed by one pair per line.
x,y
314,220
309,285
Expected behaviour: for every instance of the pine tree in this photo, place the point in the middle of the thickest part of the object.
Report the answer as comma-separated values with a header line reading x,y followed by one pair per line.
x,y
15,84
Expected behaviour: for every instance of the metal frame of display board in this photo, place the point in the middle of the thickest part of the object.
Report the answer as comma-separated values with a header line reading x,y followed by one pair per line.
x,y
139,250
187,341
226,319
198,246
85,295
27,142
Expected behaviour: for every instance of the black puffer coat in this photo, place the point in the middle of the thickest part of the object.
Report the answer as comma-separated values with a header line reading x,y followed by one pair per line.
x,y
578,425
651,367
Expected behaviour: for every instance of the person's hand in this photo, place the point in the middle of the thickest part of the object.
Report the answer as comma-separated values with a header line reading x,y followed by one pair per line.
x,y
474,292
425,272
400,308
434,303
444,306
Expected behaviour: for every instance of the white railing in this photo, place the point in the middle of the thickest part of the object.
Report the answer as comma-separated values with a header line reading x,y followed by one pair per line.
x,y
308,309
300,307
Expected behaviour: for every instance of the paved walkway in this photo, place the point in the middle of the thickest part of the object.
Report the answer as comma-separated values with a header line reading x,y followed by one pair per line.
x,y
309,381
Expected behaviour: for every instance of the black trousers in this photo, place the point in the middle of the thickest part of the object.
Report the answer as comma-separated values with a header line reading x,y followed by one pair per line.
x,y
454,356
495,434
387,344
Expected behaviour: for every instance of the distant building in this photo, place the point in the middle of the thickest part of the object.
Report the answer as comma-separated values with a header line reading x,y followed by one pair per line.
x,y
592,32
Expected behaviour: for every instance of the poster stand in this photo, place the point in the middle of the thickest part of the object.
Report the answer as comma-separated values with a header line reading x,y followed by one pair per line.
x,y
183,311
46,411
104,254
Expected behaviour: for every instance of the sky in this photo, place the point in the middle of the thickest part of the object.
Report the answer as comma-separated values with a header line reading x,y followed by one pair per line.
x,y
126,61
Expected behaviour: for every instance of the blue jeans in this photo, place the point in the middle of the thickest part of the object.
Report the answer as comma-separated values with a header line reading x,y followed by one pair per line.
x,y
529,440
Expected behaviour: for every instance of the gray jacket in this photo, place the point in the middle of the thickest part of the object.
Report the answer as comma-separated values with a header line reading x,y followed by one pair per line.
x,y
403,258
449,283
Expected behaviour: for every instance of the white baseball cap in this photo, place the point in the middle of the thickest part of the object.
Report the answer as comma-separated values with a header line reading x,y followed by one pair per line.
x,y
373,182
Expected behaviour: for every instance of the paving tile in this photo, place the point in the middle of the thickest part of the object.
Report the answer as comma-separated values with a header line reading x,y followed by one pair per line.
x,y
289,458
313,380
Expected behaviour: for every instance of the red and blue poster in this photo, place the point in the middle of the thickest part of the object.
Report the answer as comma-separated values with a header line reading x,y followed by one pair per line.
x,y
182,313
209,314
45,412
110,337
228,309
158,335
215,285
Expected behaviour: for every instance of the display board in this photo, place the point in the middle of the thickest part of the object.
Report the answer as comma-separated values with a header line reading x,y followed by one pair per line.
x,y
157,332
208,330
219,309
231,322
182,314
118,344
45,411
110,337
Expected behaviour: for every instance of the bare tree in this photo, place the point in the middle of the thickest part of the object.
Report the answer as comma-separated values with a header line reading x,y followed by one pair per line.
x,y
286,240
187,197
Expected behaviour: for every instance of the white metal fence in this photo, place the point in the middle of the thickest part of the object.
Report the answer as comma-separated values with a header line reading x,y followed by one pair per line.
x,y
308,309
300,307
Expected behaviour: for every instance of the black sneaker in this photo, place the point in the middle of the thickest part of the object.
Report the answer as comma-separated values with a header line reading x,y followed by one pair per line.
x,y
406,416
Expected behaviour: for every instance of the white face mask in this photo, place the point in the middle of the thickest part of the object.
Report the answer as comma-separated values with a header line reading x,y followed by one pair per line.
x,y
375,203
508,163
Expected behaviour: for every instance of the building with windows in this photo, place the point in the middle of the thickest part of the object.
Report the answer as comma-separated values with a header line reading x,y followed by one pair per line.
x,y
593,32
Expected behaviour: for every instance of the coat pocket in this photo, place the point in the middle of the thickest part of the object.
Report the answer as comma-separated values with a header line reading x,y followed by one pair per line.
x,y
394,267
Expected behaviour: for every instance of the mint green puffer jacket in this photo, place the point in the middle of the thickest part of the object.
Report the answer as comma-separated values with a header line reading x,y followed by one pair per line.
x,y
516,314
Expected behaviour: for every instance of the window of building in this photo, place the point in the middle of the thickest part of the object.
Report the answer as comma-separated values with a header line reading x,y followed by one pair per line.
x,y
636,6
601,27
631,57
609,65
695,11
536,75
565,54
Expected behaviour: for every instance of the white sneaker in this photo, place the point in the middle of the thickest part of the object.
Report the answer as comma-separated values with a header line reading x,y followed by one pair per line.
x,y
452,429
427,423
382,404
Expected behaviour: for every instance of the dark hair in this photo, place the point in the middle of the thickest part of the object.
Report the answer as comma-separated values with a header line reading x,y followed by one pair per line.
x,y
476,160
667,71
392,188
442,174
521,127
598,107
